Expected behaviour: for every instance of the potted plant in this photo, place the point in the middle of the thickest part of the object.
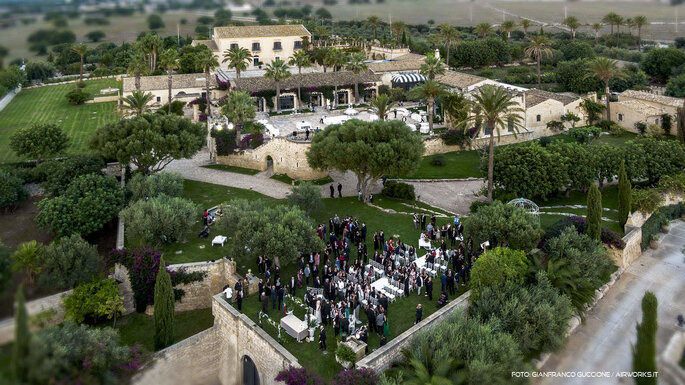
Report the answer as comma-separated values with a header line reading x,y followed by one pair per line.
x,y
345,356
654,241
665,226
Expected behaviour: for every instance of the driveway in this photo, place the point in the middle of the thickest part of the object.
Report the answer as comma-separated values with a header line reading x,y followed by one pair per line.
x,y
604,342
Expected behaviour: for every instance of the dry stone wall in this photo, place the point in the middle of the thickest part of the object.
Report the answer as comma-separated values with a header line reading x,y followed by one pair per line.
x,y
435,145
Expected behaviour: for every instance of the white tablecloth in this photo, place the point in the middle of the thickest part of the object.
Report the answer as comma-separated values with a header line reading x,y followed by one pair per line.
x,y
219,240
295,327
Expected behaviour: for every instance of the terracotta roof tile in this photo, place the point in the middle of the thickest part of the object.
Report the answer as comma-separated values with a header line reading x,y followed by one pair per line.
x,y
535,97
307,80
458,79
260,31
665,100
407,62
178,81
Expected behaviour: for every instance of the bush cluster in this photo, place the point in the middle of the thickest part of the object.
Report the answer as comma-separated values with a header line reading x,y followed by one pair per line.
x,y
399,190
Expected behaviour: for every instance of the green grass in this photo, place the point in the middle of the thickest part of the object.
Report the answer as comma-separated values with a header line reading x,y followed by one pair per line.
x,y
6,361
609,200
400,205
48,105
459,164
288,180
236,169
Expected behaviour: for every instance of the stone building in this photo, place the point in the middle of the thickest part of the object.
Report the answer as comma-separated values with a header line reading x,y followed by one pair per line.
x,y
543,107
637,106
265,42
184,87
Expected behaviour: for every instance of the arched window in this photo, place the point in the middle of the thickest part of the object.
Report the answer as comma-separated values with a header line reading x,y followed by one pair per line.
x,y
250,373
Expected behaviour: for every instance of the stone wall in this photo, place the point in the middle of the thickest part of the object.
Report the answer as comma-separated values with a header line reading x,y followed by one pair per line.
x,y
8,98
435,145
289,157
632,250
381,359
50,304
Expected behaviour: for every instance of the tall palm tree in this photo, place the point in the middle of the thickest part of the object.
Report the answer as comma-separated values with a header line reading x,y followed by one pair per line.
x,y
206,60
483,29
322,33
398,27
430,90
499,110
573,24
525,24
597,27
382,103
610,18
138,101
238,59
81,50
356,65
431,67
336,58
425,369
539,45
639,22
278,71
570,282
239,107
604,69
137,67
151,43
619,21
169,61
506,27
300,59
373,21
449,35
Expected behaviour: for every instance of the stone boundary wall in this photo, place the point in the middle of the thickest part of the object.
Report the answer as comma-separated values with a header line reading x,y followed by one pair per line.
x,y
8,98
381,359
37,306
435,144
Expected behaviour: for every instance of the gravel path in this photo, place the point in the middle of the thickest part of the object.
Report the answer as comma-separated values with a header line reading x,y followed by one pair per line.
x,y
454,196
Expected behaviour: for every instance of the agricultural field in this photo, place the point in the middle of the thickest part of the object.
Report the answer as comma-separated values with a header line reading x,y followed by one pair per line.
x,y
48,105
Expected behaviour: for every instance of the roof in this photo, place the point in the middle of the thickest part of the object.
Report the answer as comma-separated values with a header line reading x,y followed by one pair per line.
x,y
407,62
459,80
209,43
161,82
308,80
535,97
638,106
260,31
660,99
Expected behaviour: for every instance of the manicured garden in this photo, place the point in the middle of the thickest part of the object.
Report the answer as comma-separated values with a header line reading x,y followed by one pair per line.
x,y
288,180
236,169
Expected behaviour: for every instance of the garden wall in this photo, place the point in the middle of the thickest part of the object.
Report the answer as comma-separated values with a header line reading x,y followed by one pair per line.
x,y
8,98
435,145
381,359
50,304
289,157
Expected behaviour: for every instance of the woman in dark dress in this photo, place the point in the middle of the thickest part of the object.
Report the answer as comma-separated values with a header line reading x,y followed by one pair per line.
x,y
375,241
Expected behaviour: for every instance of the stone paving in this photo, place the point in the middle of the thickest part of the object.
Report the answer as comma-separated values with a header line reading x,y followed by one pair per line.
x,y
604,342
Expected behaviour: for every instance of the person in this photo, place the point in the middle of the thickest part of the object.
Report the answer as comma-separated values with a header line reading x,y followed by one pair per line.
x,y
322,339
384,340
371,198
429,289
261,289
265,302
292,286
419,283
416,221
228,292
339,190
332,191
306,134
281,296
307,273
443,281
379,323
364,337
239,299
274,297
359,195
419,313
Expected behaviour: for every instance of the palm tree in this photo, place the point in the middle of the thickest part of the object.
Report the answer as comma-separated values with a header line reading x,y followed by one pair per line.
x,y
151,43
169,61
525,24
569,282
137,67
539,46
356,65
572,23
597,27
604,69
300,59
483,29
29,257
619,21
138,101
499,110
208,61
427,370
431,67
373,21
506,27
382,103
430,90
449,35
238,59
80,50
278,71
610,18
322,33
398,27
336,58
639,22
239,107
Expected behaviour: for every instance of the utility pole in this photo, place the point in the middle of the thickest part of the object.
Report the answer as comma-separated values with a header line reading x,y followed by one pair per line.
x,y
471,13
178,34
565,12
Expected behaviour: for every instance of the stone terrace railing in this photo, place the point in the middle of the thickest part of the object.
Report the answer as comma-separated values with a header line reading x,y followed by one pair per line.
x,y
382,358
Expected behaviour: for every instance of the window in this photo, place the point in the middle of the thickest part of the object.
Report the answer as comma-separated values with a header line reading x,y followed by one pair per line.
x,y
620,117
277,46
256,47
159,98
510,124
255,61
234,45
538,118
656,122
298,45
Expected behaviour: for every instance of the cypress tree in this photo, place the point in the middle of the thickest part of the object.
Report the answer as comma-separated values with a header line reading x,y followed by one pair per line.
x,y
623,196
22,336
644,351
164,308
594,213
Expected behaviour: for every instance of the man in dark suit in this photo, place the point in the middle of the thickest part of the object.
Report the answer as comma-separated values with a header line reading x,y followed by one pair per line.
x,y
419,313
363,232
339,190
383,301
281,297
325,312
261,289
332,192
322,338
429,289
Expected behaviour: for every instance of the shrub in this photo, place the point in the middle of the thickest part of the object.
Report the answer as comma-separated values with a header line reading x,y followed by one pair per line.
x,y
475,205
495,267
158,220
306,196
645,200
364,376
5,266
555,125
438,160
94,300
345,354
399,190
164,309
610,127
511,226
69,261
299,376
456,137
641,127
167,183
651,228
39,141
11,189
584,135
608,237
58,175
77,96
673,184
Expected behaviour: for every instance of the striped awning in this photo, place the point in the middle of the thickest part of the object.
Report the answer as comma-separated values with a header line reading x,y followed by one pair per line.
x,y
408,77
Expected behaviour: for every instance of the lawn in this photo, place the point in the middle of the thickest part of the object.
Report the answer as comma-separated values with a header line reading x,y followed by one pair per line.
x,y
288,180
457,165
403,206
239,170
48,105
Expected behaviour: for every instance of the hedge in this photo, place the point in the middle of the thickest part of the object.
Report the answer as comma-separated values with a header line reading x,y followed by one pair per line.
x,y
661,216
399,190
